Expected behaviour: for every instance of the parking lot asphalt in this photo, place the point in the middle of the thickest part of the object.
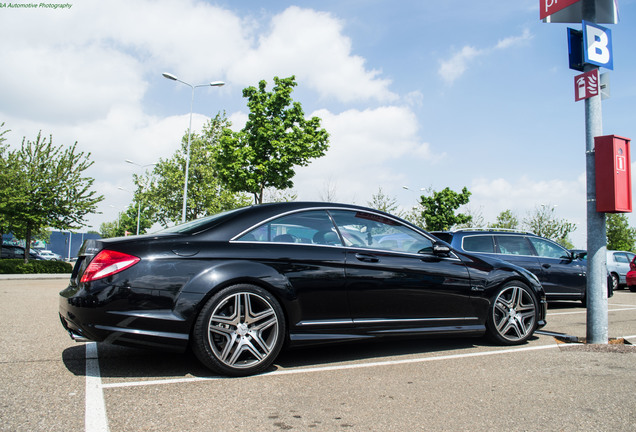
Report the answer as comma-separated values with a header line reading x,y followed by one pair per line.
x,y
50,383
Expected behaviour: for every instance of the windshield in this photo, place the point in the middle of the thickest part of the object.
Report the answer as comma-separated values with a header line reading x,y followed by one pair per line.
x,y
196,225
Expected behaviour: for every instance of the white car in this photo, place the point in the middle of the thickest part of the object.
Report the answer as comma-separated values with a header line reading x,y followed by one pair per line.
x,y
618,266
48,255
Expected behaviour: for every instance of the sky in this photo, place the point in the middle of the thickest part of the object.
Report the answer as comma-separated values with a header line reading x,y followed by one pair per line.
x,y
418,94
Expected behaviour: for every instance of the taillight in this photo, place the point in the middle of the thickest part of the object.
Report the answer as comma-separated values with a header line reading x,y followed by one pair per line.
x,y
107,263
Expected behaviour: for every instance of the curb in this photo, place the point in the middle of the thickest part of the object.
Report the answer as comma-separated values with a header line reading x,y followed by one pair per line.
x,y
35,276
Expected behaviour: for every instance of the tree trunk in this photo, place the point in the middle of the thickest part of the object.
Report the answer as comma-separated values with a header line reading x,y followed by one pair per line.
x,y
27,244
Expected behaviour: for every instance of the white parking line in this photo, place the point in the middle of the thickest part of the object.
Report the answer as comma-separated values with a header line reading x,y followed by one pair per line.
x,y
336,368
585,311
95,419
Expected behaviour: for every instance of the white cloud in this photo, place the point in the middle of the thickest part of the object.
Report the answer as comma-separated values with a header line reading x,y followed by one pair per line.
x,y
454,67
368,149
312,46
525,193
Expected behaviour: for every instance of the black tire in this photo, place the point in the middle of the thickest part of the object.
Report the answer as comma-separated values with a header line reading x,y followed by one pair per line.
x,y
239,331
613,283
512,316
632,288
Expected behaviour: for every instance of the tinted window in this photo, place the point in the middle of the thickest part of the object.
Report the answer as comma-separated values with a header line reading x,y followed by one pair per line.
x,y
311,227
479,243
367,230
514,245
548,249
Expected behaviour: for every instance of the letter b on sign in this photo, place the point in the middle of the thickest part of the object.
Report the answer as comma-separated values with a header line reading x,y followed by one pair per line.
x,y
597,45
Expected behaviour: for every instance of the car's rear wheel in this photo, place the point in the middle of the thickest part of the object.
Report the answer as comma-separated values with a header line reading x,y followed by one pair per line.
x,y
512,317
239,331
614,282
632,288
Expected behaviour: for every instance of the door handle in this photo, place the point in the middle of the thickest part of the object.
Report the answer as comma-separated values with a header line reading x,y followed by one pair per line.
x,y
367,258
547,266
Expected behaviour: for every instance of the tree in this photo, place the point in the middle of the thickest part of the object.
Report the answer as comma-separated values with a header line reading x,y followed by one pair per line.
x,y
439,209
543,222
620,236
275,139
162,189
127,222
51,189
7,183
506,220
381,201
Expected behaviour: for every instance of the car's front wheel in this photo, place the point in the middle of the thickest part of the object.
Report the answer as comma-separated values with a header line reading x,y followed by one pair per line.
x,y
512,316
239,331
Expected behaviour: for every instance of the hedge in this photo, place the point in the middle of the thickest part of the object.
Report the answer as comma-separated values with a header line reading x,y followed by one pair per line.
x,y
18,266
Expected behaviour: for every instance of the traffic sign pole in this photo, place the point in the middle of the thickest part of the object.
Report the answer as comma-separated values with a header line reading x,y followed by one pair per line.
x,y
597,315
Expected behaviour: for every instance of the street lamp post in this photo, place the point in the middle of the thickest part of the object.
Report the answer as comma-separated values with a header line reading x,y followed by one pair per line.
x,y
138,202
185,186
138,208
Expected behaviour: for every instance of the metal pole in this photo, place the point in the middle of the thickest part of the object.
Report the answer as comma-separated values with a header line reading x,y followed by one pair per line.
x,y
138,215
185,187
597,327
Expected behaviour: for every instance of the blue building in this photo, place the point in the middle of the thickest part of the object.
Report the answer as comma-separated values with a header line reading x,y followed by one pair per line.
x,y
64,243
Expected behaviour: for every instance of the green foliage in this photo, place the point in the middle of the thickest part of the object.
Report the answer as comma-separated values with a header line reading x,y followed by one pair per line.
x,y
47,188
18,266
439,209
161,191
544,222
506,220
127,223
381,201
620,236
275,139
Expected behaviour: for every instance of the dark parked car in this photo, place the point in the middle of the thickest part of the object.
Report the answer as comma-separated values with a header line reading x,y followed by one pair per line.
x,y
237,285
17,252
561,272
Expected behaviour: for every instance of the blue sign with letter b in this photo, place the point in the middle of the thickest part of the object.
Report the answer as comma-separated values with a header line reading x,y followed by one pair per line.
x,y
597,45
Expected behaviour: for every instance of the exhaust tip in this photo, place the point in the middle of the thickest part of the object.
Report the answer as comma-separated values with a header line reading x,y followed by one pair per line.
x,y
78,338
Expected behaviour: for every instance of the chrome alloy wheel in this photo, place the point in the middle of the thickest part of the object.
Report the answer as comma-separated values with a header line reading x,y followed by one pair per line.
x,y
514,313
243,330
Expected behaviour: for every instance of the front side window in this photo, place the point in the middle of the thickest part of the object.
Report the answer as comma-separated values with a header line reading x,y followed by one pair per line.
x,y
310,227
548,249
372,231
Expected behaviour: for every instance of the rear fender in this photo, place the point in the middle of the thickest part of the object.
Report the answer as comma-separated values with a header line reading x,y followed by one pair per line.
x,y
227,273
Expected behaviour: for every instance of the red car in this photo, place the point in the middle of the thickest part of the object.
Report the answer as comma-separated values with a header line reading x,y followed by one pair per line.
x,y
631,276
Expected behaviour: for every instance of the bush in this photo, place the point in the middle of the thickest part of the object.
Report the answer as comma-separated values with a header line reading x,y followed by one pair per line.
x,y
18,266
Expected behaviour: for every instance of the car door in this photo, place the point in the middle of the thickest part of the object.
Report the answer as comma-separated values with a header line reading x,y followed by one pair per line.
x,y
305,249
516,249
395,281
563,276
620,262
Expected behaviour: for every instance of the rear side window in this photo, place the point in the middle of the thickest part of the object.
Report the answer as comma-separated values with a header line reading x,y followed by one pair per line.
x,y
310,227
621,258
479,243
514,245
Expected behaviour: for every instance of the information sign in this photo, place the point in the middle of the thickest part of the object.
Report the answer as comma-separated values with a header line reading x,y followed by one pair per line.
x,y
597,45
568,11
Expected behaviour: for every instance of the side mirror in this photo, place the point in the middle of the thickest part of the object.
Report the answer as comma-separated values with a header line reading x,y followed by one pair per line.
x,y
440,249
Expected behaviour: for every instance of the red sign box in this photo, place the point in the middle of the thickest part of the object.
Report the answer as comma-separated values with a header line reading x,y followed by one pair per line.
x,y
548,7
613,174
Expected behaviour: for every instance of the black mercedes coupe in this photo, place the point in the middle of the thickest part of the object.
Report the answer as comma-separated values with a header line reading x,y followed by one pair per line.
x,y
235,287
